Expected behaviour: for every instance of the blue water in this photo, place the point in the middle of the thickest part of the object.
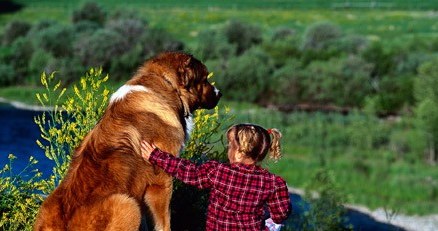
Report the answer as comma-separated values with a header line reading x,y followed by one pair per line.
x,y
18,135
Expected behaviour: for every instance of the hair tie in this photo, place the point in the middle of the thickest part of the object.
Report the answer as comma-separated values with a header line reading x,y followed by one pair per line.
x,y
269,131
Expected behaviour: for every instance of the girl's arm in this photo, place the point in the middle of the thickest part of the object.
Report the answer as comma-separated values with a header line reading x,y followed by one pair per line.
x,y
182,169
279,203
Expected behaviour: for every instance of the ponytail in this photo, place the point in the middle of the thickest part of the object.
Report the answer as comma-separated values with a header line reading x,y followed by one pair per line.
x,y
275,148
255,141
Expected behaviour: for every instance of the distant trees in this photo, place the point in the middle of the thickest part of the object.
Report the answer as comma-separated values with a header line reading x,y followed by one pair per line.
x,y
118,41
322,66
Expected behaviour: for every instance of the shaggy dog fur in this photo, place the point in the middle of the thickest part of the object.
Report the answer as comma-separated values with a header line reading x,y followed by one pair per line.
x,y
108,185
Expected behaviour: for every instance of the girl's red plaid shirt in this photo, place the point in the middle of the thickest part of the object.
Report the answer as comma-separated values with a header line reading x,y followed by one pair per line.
x,y
238,192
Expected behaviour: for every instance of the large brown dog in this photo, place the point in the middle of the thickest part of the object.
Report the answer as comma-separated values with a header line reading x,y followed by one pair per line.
x,y
108,184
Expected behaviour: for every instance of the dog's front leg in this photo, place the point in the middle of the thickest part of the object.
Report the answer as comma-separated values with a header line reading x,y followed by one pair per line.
x,y
158,199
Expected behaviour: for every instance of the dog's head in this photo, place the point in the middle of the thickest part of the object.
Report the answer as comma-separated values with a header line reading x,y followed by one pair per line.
x,y
190,77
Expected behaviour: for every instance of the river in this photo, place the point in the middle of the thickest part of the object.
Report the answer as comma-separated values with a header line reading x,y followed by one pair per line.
x,y
18,135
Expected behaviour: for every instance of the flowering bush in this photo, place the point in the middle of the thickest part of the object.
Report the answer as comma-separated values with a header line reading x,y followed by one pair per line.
x,y
19,201
64,127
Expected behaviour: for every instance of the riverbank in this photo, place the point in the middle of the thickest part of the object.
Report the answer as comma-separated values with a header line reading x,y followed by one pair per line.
x,y
381,219
24,106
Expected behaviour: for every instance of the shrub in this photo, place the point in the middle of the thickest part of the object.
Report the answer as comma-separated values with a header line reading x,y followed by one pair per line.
x,y
351,44
319,36
38,63
19,201
283,34
22,51
56,39
40,26
326,211
89,11
155,41
6,53
67,68
381,59
85,28
408,63
122,66
99,48
7,75
14,30
308,56
247,77
213,45
287,87
244,36
340,81
393,93
285,45
131,30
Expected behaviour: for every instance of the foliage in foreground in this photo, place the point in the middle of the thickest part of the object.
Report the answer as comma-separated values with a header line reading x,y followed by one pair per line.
x,y
21,195
62,129
326,211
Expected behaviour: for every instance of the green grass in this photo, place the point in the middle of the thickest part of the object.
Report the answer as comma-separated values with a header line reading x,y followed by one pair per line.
x,y
22,94
186,19
245,4
27,94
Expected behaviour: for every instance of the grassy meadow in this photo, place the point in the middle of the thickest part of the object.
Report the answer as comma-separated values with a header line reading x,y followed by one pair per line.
x,y
367,154
185,19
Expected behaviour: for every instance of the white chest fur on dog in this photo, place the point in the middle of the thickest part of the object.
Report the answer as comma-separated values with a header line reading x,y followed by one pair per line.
x,y
190,124
124,90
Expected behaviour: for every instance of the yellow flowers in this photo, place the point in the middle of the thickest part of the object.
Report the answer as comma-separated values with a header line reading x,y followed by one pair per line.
x,y
18,201
63,128
207,132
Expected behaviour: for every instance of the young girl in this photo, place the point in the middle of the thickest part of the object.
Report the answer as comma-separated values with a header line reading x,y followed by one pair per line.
x,y
239,190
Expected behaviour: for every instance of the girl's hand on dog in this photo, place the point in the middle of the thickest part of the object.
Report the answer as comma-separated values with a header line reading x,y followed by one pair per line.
x,y
146,149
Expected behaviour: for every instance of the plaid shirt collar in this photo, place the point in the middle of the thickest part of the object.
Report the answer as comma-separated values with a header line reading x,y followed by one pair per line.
x,y
250,168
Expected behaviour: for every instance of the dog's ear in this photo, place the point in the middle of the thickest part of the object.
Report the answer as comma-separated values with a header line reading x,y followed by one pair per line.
x,y
185,71
187,61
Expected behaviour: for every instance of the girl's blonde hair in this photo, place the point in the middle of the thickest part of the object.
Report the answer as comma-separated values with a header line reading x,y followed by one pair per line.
x,y
255,141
